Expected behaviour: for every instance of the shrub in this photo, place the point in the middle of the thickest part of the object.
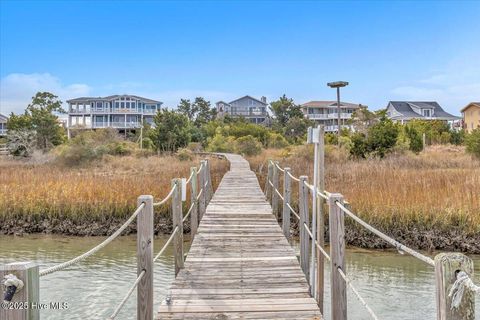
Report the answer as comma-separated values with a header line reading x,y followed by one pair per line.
x,y
472,142
185,154
382,136
195,147
91,145
457,137
276,141
414,138
345,143
21,142
248,145
359,146
220,143
331,138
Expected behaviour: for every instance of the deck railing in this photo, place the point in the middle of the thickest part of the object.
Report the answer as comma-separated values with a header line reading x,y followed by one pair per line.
x,y
455,290
22,279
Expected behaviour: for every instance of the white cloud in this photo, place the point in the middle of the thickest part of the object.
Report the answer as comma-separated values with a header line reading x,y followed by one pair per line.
x,y
17,90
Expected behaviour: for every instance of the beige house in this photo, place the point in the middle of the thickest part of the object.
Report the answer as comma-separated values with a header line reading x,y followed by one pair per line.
x,y
471,116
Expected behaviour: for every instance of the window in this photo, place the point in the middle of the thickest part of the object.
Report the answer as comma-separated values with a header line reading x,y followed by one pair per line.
x,y
426,112
117,105
122,105
128,105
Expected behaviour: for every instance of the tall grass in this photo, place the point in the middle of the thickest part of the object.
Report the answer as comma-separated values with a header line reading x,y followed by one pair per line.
x,y
438,189
100,191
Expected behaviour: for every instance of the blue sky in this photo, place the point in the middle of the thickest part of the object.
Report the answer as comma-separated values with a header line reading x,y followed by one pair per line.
x,y
222,50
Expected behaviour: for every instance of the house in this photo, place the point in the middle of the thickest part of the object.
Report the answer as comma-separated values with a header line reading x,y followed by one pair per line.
x,y
404,111
3,125
252,109
471,116
326,113
122,112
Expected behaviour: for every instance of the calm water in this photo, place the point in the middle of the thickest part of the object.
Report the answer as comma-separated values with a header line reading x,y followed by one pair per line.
x,y
395,286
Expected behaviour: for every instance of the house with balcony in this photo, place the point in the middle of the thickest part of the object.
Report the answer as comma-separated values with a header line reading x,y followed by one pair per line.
x,y
326,113
252,109
121,112
404,111
3,125
471,116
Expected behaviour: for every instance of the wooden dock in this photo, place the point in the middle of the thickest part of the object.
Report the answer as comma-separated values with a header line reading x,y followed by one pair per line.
x,y
240,265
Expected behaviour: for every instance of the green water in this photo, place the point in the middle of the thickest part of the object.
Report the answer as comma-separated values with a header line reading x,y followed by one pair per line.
x,y
395,286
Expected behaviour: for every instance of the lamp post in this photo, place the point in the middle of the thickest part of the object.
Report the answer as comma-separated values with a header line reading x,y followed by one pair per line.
x,y
338,85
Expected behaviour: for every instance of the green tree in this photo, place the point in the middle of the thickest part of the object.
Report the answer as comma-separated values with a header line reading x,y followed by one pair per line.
x,y
359,145
172,131
296,129
472,142
40,117
199,112
283,110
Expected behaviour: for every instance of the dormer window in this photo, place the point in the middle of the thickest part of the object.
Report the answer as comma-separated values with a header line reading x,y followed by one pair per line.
x,y
427,113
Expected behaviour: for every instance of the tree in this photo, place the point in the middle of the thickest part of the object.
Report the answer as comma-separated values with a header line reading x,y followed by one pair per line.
x,y
172,130
296,128
382,136
362,119
283,110
199,112
472,141
40,118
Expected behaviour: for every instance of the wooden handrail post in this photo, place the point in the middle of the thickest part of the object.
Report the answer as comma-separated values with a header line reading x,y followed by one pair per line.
x,y
145,258
447,266
177,218
275,197
304,237
201,190
287,192
208,180
320,218
28,296
193,202
337,253
268,188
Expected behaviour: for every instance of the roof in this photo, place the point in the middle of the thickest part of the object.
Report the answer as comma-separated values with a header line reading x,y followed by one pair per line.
x,y
3,117
218,102
109,98
329,104
405,108
471,104
247,96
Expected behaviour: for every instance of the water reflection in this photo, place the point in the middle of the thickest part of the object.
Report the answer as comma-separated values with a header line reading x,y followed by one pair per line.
x,y
395,286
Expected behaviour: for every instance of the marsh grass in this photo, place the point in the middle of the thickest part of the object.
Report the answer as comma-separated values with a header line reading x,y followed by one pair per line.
x,y
99,191
439,189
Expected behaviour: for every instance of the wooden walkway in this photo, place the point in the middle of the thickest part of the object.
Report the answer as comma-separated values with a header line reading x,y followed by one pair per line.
x,y
240,266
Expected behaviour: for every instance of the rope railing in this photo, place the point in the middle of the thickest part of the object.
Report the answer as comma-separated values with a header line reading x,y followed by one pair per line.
x,y
92,251
167,197
188,212
279,194
159,254
127,296
189,178
293,211
293,177
393,242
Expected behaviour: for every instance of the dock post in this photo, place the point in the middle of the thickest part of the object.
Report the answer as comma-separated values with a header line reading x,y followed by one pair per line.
x,y
193,202
208,179
304,222
177,218
320,218
268,187
287,192
28,295
338,286
201,190
447,266
275,197
145,258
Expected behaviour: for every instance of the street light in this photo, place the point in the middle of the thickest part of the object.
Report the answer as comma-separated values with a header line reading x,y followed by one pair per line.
x,y
338,85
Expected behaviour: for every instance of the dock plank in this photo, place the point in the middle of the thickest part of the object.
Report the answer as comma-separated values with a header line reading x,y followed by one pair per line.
x,y
240,266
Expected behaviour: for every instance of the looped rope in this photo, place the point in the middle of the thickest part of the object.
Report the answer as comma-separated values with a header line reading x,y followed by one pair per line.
x,y
458,289
166,198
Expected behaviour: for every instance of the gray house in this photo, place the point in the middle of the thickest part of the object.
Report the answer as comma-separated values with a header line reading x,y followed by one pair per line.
x,y
122,112
3,125
252,109
404,111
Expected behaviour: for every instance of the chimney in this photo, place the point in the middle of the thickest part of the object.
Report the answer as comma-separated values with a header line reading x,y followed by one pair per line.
x,y
264,99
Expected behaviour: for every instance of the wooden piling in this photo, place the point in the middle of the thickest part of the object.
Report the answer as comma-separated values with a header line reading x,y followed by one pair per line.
x,y
177,218
268,187
26,299
287,192
202,204
193,202
447,266
338,286
320,218
304,220
275,197
145,258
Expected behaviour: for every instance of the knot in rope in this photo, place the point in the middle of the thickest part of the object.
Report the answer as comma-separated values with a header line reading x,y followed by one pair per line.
x,y
458,289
